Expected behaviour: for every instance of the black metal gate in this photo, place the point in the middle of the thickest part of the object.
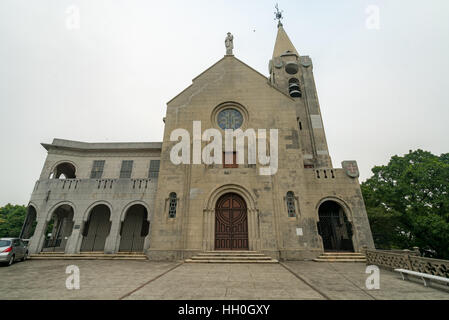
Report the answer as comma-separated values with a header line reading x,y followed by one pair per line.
x,y
334,228
134,230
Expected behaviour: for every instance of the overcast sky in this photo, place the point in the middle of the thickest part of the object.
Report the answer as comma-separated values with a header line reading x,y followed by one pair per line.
x,y
382,91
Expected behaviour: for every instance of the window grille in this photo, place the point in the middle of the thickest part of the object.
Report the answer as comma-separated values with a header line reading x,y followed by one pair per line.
x,y
290,198
173,201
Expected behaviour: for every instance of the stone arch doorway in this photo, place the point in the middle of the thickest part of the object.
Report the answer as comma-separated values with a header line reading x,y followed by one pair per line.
x,y
334,227
96,229
134,229
58,229
231,223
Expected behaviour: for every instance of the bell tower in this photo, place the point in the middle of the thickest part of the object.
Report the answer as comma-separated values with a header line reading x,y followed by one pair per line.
x,y
293,75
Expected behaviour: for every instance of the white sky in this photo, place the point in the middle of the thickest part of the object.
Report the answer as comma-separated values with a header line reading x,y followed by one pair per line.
x,y
382,92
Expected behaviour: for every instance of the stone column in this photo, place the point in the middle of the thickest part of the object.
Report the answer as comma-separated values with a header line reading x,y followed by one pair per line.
x,y
74,242
211,230
207,217
113,240
251,237
146,242
253,230
37,241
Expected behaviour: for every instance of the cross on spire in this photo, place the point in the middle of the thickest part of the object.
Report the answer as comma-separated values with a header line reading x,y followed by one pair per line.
x,y
278,14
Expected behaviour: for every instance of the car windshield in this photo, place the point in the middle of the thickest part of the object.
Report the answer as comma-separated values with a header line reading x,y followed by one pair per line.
x,y
5,243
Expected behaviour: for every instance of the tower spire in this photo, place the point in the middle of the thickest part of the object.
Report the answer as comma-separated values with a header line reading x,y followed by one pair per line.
x,y
283,43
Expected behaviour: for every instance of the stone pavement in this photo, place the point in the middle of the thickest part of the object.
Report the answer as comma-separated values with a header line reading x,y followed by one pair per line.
x,y
346,281
103,279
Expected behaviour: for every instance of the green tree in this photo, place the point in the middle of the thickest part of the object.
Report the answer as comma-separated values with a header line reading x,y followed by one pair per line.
x,y
408,203
11,220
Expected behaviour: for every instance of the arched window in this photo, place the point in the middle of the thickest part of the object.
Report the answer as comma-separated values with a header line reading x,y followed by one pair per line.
x,y
290,199
173,201
64,170
294,89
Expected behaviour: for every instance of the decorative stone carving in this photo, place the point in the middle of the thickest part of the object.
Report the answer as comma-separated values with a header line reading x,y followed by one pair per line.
x,y
305,61
351,168
277,62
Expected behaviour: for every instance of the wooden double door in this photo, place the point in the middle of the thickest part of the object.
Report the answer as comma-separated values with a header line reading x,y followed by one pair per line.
x,y
231,223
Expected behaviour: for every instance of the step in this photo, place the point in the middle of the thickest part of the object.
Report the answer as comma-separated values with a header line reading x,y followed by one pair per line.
x,y
231,261
339,260
222,254
342,257
87,257
92,252
120,252
230,258
342,254
52,253
231,251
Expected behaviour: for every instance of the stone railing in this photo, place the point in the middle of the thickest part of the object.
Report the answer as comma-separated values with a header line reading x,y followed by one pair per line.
x,y
407,260
324,174
74,187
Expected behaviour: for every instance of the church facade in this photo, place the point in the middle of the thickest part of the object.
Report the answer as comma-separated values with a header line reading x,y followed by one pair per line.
x,y
136,197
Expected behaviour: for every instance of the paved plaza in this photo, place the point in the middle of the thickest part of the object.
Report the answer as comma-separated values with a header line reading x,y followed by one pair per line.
x,y
300,280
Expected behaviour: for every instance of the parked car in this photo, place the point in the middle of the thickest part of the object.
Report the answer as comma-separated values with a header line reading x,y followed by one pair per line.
x,y
12,249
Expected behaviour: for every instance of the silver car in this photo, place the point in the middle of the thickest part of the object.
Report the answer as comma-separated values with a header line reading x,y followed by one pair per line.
x,y
12,249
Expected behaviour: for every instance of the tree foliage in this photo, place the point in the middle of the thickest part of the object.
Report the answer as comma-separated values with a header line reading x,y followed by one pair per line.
x,y
11,220
408,203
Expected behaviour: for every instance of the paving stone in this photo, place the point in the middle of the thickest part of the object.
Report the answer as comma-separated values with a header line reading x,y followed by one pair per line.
x,y
43,279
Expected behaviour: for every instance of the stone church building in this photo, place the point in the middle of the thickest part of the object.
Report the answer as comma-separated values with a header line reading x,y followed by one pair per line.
x,y
131,197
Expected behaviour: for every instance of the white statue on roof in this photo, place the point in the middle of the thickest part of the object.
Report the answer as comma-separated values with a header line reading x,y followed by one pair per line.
x,y
229,43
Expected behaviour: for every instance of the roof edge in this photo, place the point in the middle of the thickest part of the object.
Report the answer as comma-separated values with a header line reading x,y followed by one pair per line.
x,y
248,66
101,146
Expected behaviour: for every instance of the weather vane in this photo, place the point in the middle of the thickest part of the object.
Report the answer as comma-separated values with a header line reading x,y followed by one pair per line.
x,y
278,14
